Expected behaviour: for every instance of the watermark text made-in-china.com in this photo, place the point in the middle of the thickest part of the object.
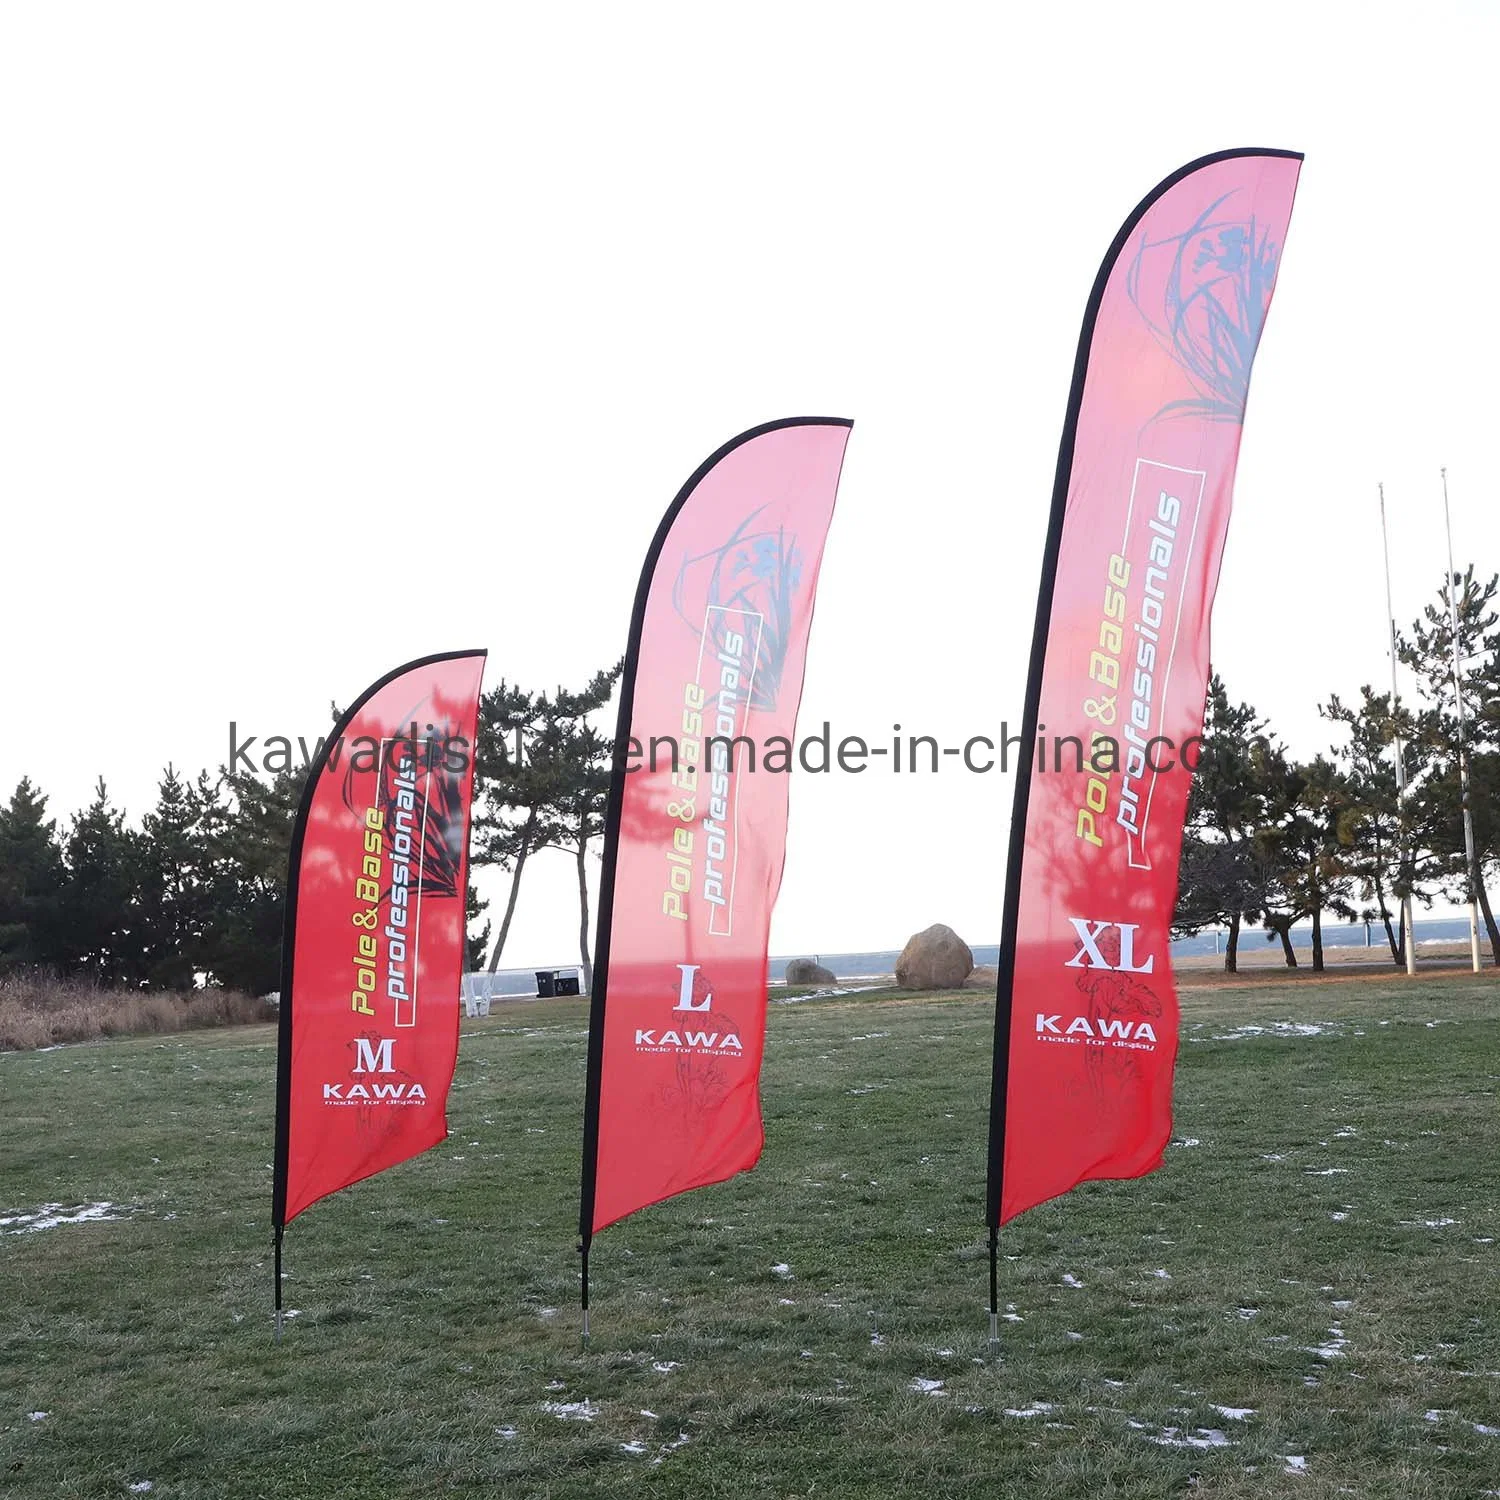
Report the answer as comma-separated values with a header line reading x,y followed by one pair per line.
x,y
818,753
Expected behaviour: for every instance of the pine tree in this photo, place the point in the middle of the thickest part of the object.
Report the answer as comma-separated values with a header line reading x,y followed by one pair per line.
x,y
250,840
1381,862
103,928
527,786
1222,876
177,880
31,882
1438,796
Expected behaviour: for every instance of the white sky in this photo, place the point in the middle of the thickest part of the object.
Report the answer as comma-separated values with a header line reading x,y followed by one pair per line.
x,y
334,335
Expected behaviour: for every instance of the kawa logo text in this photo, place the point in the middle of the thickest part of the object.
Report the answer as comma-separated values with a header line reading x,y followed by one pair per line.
x,y
374,1057
687,1039
1101,1030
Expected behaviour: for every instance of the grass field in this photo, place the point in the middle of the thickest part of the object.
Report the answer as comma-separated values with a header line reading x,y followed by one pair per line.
x,y
1304,1301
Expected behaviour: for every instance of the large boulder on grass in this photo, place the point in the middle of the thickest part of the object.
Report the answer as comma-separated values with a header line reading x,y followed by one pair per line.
x,y
937,959
805,971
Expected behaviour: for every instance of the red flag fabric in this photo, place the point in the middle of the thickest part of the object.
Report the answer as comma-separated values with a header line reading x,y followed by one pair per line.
x,y
693,852
1086,1025
375,933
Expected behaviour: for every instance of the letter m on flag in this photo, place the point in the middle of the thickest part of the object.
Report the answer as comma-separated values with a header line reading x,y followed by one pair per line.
x,y
373,1057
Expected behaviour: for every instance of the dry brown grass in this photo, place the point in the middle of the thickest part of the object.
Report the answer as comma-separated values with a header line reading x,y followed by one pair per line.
x,y
39,1011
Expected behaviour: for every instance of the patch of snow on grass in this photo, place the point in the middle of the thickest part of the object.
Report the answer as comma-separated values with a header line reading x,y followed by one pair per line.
x,y
1334,1348
782,1270
1204,1437
572,1411
1069,1279
924,1387
1036,1409
1233,1413
667,1448
51,1215
1295,1464
1277,1028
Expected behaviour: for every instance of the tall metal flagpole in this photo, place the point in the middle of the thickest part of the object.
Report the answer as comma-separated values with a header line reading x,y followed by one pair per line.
x,y
1471,868
1390,609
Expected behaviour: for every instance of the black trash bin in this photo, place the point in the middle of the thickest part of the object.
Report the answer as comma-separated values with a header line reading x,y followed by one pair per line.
x,y
546,983
567,984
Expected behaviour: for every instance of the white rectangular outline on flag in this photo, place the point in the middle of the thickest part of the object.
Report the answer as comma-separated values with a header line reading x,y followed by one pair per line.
x,y
1166,680
416,960
734,787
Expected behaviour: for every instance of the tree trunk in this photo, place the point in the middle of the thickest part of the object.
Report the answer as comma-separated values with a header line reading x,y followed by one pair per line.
x,y
1232,945
1397,956
583,917
515,890
1285,934
1489,920
1317,935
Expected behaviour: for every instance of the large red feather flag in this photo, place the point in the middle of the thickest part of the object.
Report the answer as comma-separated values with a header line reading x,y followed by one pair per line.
x,y
1086,1014
695,834
373,951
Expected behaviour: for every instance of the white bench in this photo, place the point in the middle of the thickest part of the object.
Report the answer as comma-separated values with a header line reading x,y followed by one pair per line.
x,y
475,1003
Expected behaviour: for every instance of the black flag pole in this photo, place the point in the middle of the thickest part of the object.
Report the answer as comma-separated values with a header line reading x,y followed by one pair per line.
x,y
1006,962
614,808
281,1171
613,814
598,990
327,753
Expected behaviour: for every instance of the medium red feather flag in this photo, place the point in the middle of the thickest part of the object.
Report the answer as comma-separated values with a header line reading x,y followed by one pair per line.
x,y
373,953
696,830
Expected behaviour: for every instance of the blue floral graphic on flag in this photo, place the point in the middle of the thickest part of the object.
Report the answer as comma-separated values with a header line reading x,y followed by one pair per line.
x,y
1204,295
754,571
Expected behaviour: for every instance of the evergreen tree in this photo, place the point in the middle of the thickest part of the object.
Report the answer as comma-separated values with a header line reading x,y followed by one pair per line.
x,y
177,884
1222,878
527,786
102,931
579,810
1443,751
31,882
1306,844
250,842
1381,861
